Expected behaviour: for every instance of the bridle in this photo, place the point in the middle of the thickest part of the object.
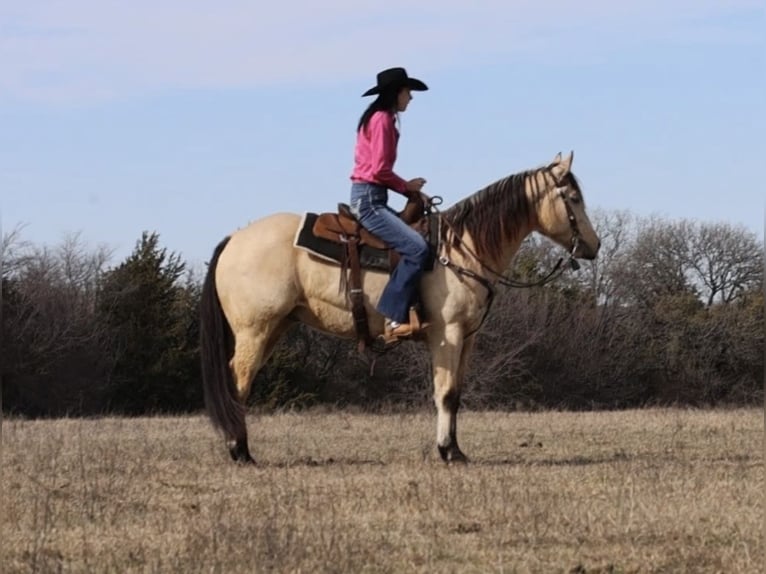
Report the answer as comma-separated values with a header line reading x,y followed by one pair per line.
x,y
561,192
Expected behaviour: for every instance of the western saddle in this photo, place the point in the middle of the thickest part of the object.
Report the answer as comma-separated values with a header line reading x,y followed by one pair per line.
x,y
343,227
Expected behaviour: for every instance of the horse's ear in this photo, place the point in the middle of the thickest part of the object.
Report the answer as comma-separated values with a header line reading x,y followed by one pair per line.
x,y
562,166
556,159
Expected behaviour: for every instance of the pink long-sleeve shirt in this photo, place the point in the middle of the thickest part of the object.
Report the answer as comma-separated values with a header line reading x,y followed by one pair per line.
x,y
375,153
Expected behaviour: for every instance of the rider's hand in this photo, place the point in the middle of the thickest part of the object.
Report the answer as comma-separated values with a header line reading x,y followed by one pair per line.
x,y
416,184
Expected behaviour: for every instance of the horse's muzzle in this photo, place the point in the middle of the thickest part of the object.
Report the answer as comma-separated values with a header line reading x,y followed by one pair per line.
x,y
586,251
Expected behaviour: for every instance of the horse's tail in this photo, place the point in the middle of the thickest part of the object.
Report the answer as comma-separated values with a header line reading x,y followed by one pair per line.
x,y
216,341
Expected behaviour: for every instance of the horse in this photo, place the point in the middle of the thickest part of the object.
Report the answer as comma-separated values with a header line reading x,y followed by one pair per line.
x,y
258,284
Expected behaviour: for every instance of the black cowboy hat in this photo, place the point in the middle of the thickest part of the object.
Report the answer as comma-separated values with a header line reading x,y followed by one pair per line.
x,y
395,78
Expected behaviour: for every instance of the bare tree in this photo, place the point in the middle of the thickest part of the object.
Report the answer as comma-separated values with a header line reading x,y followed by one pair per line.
x,y
656,263
725,261
616,231
14,251
48,317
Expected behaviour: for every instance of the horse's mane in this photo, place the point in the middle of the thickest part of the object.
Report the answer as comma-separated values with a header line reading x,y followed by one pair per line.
x,y
497,212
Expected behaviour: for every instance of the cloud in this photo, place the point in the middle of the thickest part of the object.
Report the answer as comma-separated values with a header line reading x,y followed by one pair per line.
x,y
82,51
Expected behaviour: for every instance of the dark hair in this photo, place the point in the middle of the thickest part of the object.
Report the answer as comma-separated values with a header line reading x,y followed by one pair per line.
x,y
386,101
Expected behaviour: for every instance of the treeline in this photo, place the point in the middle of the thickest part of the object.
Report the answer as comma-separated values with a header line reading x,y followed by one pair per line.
x,y
670,313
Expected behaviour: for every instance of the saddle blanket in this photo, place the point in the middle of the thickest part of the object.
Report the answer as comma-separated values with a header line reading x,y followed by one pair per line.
x,y
369,258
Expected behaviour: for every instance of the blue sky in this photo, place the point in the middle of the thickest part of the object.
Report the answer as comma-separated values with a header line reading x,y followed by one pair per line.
x,y
192,118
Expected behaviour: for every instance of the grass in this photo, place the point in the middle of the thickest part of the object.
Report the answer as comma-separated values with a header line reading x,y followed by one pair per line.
x,y
637,491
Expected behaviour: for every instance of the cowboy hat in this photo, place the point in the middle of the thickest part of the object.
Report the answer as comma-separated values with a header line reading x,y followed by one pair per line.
x,y
395,78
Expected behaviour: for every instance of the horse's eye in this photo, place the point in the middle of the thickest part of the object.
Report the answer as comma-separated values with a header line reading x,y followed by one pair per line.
x,y
574,198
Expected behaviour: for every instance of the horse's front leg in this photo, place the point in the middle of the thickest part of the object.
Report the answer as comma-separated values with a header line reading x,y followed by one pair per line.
x,y
449,355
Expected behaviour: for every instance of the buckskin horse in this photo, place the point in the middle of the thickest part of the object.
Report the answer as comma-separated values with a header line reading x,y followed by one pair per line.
x,y
259,282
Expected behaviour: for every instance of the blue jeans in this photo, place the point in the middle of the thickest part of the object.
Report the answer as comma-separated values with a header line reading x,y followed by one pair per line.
x,y
369,203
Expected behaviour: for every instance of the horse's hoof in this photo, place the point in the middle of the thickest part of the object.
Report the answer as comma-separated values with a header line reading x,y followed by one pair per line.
x,y
452,454
244,459
458,458
240,453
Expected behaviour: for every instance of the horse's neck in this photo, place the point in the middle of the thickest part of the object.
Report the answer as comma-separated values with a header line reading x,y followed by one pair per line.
x,y
500,261
511,249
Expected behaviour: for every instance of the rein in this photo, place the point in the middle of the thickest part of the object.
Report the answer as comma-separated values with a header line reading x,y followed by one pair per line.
x,y
555,273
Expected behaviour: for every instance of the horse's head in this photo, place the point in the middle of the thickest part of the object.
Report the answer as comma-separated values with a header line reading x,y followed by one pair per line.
x,y
561,212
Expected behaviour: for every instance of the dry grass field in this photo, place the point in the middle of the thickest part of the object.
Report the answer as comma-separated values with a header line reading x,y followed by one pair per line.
x,y
638,491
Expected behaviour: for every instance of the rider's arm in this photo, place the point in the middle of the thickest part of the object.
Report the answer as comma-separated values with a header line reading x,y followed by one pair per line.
x,y
383,140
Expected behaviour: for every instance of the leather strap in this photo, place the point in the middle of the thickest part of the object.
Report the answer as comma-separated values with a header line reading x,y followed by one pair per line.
x,y
355,294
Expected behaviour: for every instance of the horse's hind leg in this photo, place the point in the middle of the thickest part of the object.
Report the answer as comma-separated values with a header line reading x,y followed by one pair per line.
x,y
251,351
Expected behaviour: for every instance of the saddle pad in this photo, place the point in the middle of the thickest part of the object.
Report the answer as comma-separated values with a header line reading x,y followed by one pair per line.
x,y
369,258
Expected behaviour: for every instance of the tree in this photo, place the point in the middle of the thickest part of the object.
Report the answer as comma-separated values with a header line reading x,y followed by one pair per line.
x,y
54,347
725,261
656,262
153,318
615,229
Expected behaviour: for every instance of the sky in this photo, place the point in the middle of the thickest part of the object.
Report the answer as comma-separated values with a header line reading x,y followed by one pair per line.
x,y
191,118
